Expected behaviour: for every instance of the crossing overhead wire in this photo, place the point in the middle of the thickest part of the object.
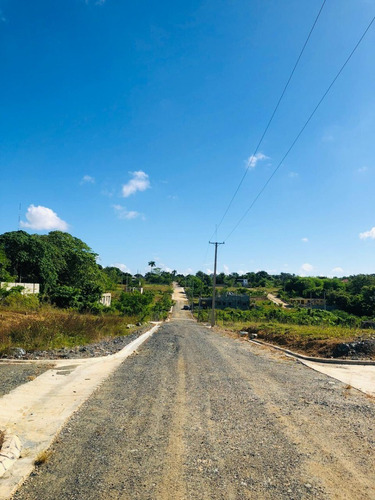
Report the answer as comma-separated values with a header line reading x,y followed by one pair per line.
x,y
273,113
302,129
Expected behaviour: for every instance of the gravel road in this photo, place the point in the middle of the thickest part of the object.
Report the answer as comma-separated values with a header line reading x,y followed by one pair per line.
x,y
199,415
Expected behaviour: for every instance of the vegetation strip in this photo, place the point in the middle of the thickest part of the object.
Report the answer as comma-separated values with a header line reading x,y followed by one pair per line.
x,y
317,360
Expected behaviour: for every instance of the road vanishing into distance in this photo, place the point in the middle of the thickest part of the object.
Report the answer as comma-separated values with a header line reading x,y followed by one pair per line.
x,y
197,414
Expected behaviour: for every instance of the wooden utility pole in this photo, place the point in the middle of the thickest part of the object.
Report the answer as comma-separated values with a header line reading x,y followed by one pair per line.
x,y
216,243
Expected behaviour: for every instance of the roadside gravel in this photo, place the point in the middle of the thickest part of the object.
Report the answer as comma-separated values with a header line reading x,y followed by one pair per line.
x,y
13,375
105,347
199,415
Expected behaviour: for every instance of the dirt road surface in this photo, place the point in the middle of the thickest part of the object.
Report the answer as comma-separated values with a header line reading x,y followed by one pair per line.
x,y
200,415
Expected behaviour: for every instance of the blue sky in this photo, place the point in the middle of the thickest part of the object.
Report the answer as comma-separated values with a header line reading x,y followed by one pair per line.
x,y
130,125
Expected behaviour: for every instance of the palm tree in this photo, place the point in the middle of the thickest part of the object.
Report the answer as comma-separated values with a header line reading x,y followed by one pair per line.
x,y
152,264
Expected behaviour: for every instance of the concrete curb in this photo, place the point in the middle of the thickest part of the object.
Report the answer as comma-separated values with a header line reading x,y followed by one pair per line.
x,y
316,360
10,452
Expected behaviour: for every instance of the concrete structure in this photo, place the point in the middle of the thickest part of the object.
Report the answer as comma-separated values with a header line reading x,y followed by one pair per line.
x,y
230,300
311,303
106,299
243,282
28,288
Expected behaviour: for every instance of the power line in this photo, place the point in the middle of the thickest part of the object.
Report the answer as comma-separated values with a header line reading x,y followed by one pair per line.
x,y
273,115
302,129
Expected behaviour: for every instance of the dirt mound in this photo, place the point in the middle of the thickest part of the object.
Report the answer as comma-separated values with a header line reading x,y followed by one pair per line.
x,y
321,348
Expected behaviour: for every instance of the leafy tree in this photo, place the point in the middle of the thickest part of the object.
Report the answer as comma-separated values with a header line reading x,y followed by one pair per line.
x,y
4,265
54,260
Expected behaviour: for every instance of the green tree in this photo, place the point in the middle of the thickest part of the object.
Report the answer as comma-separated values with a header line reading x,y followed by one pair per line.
x,y
152,264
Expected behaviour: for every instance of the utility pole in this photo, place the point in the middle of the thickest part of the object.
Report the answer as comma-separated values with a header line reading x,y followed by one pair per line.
x,y
216,243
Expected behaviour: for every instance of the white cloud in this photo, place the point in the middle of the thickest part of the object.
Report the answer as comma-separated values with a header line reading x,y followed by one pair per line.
x,y
209,271
226,269
123,267
293,175
139,182
337,270
253,160
123,213
362,170
305,240
368,234
306,268
87,179
242,272
43,219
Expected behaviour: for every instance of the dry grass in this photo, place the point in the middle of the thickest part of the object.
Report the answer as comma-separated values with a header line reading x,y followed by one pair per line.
x,y
42,458
318,341
53,329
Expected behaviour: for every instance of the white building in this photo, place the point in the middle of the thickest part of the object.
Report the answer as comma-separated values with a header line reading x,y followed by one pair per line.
x,y
106,299
28,288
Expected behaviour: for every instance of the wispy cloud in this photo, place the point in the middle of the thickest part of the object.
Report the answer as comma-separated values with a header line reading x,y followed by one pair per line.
x,y
293,175
305,240
139,182
306,269
337,270
368,234
252,161
226,269
3,19
87,179
328,138
43,219
123,213
123,267
362,170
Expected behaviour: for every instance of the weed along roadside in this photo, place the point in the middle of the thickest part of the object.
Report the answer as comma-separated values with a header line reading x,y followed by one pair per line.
x,y
37,410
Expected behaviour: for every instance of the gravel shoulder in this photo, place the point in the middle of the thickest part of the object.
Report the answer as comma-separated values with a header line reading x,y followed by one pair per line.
x,y
200,415
13,375
105,347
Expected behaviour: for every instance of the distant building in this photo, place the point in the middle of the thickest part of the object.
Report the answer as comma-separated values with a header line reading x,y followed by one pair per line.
x,y
230,300
310,303
106,299
243,282
28,288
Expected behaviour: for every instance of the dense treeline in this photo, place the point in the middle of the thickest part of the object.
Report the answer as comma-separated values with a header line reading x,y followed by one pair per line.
x,y
64,265
352,294
70,277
